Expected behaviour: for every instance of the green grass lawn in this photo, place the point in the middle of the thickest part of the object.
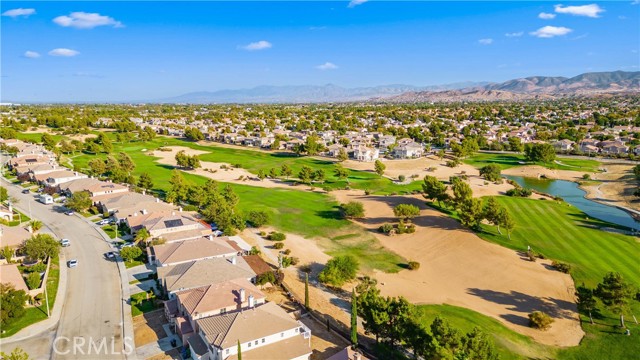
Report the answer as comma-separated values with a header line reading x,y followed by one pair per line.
x,y
510,344
36,314
506,161
140,304
561,232
311,214
110,230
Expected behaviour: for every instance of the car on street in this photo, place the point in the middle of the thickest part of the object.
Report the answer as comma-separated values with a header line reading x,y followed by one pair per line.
x,y
25,191
69,213
111,255
72,263
65,242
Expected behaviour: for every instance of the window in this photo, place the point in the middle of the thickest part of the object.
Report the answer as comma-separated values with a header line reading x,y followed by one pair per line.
x,y
223,311
249,344
281,334
297,330
256,342
263,340
227,351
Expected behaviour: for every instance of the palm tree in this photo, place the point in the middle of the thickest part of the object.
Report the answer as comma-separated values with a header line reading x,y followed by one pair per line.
x,y
35,225
142,235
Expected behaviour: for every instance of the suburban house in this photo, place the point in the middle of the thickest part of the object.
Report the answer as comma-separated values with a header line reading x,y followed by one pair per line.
x,y
613,147
203,272
226,297
408,150
134,202
55,178
169,225
179,252
563,145
334,150
6,212
9,274
365,153
13,236
279,336
98,189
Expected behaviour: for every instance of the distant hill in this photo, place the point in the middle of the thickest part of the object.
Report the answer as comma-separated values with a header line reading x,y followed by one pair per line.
x,y
306,93
534,87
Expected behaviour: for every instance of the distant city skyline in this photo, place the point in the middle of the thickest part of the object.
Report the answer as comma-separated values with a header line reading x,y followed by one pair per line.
x,y
119,51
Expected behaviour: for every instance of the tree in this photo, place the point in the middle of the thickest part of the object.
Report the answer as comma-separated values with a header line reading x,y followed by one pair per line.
x,y
540,320
340,172
13,302
354,319
539,152
445,335
4,194
40,247
179,187
506,221
434,189
305,175
342,155
585,300
471,213
490,172
66,147
48,141
125,162
36,225
182,159
107,146
142,235
258,218
306,291
79,201
318,175
193,134
261,175
418,339
406,212
636,171
145,181
273,173
379,167
33,280
461,191
16,354
239,350
131,252
515,144
615,292
311,145
286,171
339,270
97,167
478,345
353,210
492,212
373,309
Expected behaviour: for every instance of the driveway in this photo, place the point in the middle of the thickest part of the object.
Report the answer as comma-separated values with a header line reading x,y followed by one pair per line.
x,y
143,286
92,305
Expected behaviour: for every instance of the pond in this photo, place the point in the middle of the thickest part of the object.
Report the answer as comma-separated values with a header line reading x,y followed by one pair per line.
x,y
571,193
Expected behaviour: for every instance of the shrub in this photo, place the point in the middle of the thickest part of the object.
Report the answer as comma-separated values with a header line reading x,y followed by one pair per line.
x,y
130,253
562,267
258,218
276,236
287,252
519,192
262,233
386,229
38,268
413,265
366,192
268,277
289,261
586,177
33,280
339,270
352,210
540,320
278,246
401,178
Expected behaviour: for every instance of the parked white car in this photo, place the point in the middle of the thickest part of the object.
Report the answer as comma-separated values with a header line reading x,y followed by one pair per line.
x,y
72,263
65,242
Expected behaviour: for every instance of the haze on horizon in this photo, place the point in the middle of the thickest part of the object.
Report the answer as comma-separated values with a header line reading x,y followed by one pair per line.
x,y
119,51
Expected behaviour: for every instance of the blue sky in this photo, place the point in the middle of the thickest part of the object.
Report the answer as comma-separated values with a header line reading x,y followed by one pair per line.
x,y
114,51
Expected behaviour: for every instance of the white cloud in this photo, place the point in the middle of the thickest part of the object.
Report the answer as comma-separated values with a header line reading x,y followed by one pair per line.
x,y
514,34
19,12
83,20
327,66
635,2
546,16
354,3
63,52
258,45
592,10
485,41
551,31
31,54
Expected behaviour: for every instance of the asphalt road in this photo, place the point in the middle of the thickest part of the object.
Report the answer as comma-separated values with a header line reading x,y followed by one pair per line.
x,y
90,325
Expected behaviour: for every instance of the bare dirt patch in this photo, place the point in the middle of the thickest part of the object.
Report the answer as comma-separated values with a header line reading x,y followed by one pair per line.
x,y
217,171
459,268
616,186
147,328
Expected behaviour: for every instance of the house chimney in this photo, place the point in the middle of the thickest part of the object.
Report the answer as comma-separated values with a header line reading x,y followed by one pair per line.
x,y
252,301
30,229
135,213
233,260
144,211
242,295
210,237
158,200
144,192
180,209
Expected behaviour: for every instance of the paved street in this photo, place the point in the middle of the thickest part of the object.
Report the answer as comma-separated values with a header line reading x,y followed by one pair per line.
x,y
90,326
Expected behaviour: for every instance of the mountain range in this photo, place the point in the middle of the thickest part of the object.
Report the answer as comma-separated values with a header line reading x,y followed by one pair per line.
x,y
534,87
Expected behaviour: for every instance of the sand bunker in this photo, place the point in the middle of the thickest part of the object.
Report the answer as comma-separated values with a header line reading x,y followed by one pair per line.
x,y
459,268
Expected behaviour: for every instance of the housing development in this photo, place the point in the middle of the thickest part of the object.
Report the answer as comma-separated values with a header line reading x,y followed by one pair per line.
x,y
474,220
